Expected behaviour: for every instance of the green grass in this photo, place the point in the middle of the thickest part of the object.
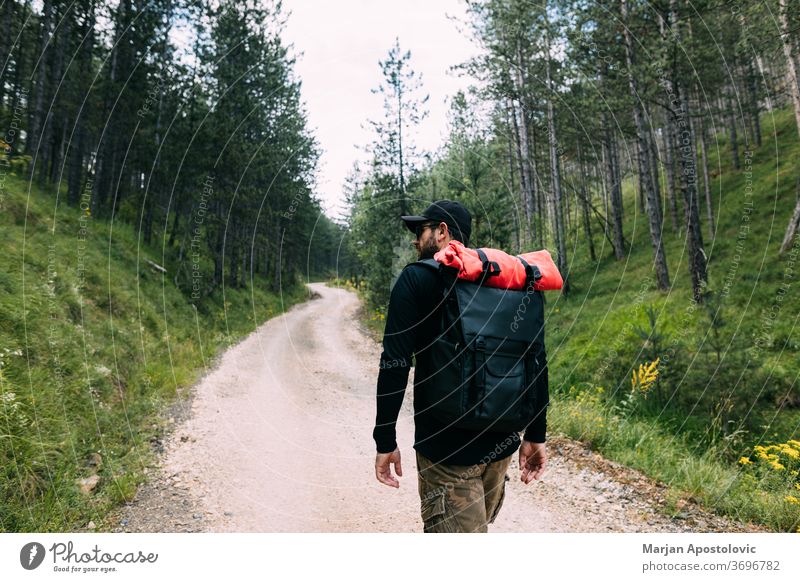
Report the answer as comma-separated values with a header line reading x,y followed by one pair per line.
x,y
94,344
754,493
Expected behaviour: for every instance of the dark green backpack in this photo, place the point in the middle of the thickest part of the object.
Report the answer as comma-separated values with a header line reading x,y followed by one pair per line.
x,y
482,369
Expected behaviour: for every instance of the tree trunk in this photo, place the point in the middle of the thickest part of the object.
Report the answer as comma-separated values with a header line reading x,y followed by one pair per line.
x,y
75,173
176,223
613,191
755,109
557,214
537,191
617,176
526,151
791,230
512,186
654,165
58,162
584,200
525,174
688,149
37,122
791,60
730,109
147,219
18,85
669,141
245,260
5,50
108,148
219,257
276,281
707,180
403,203
605,225
57,133
45,149
645,179
669,149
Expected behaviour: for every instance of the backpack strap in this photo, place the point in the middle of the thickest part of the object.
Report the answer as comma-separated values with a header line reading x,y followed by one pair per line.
x,y
490,268
532,272
449,275
432,263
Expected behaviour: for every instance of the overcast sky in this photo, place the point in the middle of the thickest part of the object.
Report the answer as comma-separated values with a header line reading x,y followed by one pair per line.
x,y
342,42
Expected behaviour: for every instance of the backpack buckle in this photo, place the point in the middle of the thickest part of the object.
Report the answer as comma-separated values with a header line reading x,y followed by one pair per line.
x,y
532,272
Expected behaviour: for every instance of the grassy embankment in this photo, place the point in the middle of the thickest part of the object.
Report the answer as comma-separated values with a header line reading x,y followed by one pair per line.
x,y
94,344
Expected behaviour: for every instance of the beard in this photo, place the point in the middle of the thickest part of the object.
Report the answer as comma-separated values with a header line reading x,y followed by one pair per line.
x,y
428,249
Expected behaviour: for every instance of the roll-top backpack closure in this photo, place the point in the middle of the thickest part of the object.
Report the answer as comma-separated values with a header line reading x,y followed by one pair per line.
x,y
496,268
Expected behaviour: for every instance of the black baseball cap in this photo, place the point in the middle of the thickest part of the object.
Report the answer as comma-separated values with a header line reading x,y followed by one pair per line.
x,y
453,214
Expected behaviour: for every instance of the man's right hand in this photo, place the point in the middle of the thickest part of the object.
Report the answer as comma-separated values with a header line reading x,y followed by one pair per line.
x,y
382,470
532,460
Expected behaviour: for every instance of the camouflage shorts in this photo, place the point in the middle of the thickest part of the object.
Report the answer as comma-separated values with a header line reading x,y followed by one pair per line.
x,y
460,498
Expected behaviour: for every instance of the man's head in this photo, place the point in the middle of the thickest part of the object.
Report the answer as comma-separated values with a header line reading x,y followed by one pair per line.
x,y
441,222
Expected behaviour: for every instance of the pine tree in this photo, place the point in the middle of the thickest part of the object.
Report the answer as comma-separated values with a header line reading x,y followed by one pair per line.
x,y
404,108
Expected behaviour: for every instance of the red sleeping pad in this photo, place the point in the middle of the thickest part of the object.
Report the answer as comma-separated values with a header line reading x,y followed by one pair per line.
x,y
501,269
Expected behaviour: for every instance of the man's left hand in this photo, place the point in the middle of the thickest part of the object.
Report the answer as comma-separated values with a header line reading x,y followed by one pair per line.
x,y
383,471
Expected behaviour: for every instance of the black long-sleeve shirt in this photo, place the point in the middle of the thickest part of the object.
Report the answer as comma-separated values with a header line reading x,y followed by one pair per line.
x,y
411,324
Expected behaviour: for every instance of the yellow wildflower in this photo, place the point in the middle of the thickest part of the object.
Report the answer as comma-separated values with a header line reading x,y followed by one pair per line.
x,y
791,499
646,377
745,461
791,453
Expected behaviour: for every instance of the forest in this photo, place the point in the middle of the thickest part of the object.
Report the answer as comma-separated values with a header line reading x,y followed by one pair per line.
x,y
136,111
159,200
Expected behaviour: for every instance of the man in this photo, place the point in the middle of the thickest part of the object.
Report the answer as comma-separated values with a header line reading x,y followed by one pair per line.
x,y
461,473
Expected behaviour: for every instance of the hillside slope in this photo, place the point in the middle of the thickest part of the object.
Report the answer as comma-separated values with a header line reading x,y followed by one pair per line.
x,y
592,335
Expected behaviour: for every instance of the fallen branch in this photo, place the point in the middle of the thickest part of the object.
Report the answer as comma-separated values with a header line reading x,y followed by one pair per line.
x,y
158,268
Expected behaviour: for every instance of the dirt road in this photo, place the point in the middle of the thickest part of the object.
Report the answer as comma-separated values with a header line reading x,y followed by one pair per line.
x,y
278,438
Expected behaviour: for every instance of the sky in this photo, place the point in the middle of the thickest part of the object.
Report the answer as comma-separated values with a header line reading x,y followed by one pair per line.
x,y
341,42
